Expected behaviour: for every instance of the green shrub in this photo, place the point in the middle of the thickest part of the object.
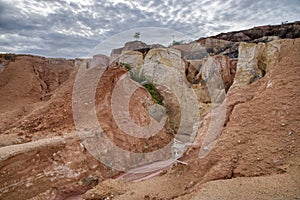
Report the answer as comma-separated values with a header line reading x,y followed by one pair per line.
x,y
126,66
141,79
156,96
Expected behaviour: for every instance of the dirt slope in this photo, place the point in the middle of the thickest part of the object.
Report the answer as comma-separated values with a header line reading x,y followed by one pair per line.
x,y
261,138
27,86
259,144
40,148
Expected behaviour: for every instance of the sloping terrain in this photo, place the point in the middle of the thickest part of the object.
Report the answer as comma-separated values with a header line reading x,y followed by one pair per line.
x,y
260,138
285,30
42,156
35,97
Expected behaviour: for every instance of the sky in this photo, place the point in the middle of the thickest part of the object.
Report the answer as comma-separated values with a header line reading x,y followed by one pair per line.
x,y
79,28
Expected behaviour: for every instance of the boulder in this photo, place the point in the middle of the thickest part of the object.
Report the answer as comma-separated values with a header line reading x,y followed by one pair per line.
x,y
191,72
224,66
218,46
270,55
266,39
133,58
100,60
78,62
247,67
192,51
168,57
232,51
217,68
117,51
166,70
197,64
212,42
134,45
233,64
255,60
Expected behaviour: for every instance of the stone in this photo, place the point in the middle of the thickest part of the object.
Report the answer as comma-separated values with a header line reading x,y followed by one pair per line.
x,y
270,55
248,69
197,64
134,45
191,73
255,60
157,112
218,46
217,70
233,64
117,51
266,39
101,61
232,51
163,69
212,42
168,57
133,58
78,63
192,51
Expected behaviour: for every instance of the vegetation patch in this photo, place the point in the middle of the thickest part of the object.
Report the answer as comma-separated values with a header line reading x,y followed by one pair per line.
x,y
126,66
8,57
141,79
156,96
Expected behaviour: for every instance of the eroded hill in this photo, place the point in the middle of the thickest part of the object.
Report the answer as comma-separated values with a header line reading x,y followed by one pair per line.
x,y
255,83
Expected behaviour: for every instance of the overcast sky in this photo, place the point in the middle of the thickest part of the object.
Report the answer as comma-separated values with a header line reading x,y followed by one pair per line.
x,y
73,28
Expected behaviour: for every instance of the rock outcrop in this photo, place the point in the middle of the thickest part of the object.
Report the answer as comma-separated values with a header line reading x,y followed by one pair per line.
x,y
136,46
248,69
255,60
168,57
218,66
133,58
285,30
192,51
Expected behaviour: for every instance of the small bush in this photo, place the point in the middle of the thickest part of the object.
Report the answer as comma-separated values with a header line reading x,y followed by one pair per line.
x,y
11,57
156,96
141,79
126,66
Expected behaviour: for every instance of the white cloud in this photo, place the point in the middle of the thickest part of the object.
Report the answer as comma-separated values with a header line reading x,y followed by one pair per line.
x,y
70,28
36,7
81,2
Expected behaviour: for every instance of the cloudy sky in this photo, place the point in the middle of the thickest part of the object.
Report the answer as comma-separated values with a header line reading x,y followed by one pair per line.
x,y
73,28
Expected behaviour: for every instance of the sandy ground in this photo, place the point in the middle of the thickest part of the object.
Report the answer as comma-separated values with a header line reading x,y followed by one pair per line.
x,y
276,187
